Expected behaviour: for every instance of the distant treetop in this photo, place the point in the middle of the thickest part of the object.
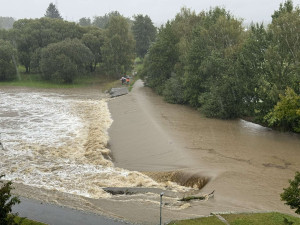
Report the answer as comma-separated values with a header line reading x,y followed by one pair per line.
x,y
52,12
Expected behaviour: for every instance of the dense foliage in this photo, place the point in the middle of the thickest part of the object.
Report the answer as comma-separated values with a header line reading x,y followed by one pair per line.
x,y
118,47
207,60
63,61
291,195
6,203
213,63
59,50
52,12
8,56
144,34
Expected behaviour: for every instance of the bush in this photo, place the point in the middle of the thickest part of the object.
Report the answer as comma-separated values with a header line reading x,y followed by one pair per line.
x,y
6,203
64,61
286,114
174,90
292,194
7,56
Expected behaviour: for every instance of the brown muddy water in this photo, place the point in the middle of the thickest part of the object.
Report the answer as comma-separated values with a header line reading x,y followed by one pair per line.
x,y
246,164
57,141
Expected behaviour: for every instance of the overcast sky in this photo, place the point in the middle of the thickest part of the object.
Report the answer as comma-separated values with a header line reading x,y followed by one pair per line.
x,y
159,10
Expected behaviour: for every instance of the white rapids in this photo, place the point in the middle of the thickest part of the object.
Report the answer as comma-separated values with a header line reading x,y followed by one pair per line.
x,y
58,142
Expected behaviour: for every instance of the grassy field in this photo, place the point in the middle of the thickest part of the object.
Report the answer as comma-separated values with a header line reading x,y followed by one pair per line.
x,y
25,221
273,218
33,80
212,220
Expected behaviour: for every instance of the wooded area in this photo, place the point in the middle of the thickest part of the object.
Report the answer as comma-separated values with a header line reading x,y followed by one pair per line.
x,y
213,63
207,60
60,51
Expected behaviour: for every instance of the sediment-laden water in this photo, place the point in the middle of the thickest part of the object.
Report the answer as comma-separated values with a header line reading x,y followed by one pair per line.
x,y
59,142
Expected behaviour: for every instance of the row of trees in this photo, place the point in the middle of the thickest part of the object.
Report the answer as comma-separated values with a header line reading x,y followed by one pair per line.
x,y
61,50
211,62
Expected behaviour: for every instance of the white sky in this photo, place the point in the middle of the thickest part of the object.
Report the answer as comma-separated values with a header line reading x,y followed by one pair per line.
x,y
159,10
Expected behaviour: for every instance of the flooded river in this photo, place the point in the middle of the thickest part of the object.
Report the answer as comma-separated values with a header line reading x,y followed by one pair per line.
x,y
58,141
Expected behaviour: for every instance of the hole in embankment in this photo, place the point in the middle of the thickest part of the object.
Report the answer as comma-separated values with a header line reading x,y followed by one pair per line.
x,y
183,178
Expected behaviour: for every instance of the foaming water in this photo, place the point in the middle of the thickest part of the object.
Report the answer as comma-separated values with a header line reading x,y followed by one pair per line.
x,y
59,143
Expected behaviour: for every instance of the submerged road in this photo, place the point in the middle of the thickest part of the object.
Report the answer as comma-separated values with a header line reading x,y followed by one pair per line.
x,y
56,215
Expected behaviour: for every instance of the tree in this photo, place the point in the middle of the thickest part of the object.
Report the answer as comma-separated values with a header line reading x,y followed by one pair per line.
x,y
65,60
94,40
281,59
210,78
283,8
286,113
31,35
102,21
291,195
118,48
144,34
8,56
6,203
85,22
249,63
52,12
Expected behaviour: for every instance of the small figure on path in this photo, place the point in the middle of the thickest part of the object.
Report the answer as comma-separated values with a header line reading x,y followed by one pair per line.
x,y
123,80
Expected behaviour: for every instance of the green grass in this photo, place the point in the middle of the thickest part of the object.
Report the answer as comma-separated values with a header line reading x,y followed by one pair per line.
x,y
28,222
34,80
273,218
211,220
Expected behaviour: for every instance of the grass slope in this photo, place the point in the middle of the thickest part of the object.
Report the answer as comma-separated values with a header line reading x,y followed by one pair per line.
x,y
272,218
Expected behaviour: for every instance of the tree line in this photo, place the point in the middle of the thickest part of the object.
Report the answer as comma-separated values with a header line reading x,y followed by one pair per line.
x,y
213,63
60,51
207,60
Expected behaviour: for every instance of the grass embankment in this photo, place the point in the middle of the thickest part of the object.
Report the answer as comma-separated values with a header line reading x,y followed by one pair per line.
x,y
34,80
25,221
273,218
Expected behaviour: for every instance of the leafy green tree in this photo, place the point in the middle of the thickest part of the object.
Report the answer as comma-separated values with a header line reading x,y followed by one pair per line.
x,y
64,61
85,22
211,81
281,59
183,26
8,56
161,59
6,203
144,33
52,12
118,48
30,35
174,89
291,195
286,114
94,40
102,21
249,67
287,7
